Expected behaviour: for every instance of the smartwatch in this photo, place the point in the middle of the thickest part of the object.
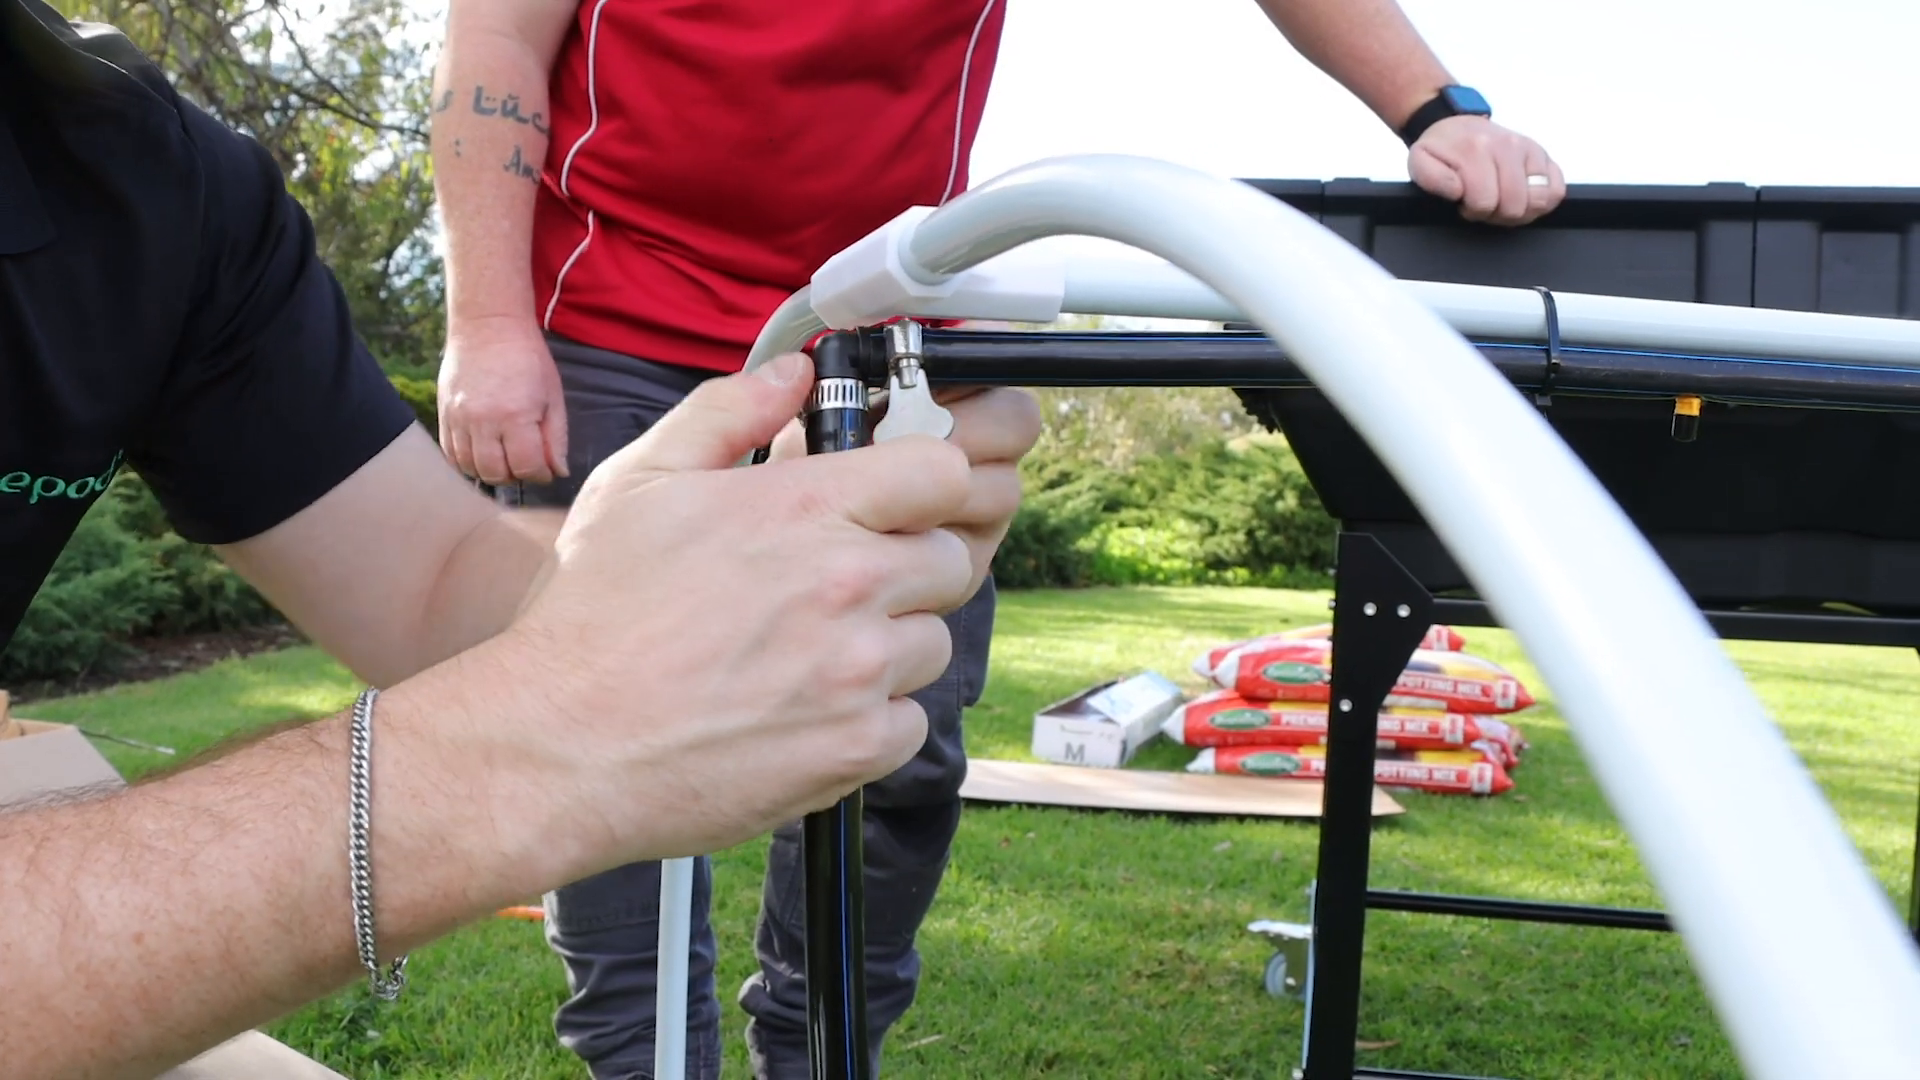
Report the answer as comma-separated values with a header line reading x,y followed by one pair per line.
x,y
1450,101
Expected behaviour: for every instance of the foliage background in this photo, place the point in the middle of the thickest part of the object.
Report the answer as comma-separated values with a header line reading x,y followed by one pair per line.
x,y
338,94
1127,486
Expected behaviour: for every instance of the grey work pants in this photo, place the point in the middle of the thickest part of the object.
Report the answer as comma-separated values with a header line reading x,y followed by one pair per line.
x,y
606,928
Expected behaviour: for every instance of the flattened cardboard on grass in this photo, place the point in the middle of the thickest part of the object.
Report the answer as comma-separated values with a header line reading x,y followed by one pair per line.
x,y
39,759
1144,790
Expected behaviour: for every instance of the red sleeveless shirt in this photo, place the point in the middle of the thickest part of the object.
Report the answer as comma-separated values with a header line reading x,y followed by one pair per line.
x,y
706,156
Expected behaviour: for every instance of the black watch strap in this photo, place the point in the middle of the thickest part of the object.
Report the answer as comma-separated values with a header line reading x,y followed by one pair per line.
x,y
1450,101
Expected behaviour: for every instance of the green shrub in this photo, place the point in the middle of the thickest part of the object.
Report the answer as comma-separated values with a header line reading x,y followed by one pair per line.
x,y
124,575
1045,545
1236,512
1167,553
424,396
101,591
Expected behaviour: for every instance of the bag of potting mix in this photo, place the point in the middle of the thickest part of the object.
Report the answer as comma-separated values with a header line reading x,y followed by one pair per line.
x,y
1303,671
1439,639
1224,718
1445,772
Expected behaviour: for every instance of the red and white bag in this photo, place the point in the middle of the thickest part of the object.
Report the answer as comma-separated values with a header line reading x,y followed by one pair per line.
x,y
1224,718
1455,773
1439,639
1303,671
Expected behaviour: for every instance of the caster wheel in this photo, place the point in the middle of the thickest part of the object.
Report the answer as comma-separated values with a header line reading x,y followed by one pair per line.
x,y
1277,980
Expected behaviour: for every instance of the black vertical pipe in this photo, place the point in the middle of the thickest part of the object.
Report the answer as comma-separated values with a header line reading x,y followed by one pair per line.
x,y
830,840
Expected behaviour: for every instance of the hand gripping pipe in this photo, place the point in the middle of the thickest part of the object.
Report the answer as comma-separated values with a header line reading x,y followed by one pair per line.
x,y
1735,834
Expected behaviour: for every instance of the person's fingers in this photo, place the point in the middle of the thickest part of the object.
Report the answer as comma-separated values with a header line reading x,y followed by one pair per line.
x,y
928,571
1480,187
1543,198
1539,182
554,431
1510,165
790,443
1001,424
906,728
723,419
526,454
910,484
922,647
459,446
490,457
898,574
891,737
993,497
1434,176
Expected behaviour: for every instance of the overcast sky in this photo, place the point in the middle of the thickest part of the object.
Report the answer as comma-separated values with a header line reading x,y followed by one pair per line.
x,y
1619,91
1639,91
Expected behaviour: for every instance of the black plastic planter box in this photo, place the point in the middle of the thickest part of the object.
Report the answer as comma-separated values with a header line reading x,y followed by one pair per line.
x,y
1784,505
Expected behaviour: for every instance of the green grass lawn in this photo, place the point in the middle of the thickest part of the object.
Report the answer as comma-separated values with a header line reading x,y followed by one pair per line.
x,y
1086,944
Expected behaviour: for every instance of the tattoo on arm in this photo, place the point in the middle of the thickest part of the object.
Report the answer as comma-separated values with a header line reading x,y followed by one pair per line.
x,y
521,167
446,102
506,108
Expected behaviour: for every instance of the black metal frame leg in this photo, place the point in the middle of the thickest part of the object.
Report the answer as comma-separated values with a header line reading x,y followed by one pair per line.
x,y
1380,613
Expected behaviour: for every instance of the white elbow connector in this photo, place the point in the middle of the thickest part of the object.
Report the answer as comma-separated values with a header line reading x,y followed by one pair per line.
x,y
877,279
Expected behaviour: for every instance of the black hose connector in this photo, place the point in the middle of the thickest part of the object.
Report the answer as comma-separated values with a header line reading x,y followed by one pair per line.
x,y
836,414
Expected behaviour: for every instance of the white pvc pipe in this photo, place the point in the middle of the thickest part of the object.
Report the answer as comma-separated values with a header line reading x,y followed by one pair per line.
x,y
791,326
1737,837
1160,289
670,981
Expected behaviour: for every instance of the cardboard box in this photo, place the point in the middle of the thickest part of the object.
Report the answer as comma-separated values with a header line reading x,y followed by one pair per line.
x,y
40,759
1105,725
48,758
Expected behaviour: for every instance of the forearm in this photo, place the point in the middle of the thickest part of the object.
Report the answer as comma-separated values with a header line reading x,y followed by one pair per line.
x,y
1369,47
488,141
392,593
147,926
486,581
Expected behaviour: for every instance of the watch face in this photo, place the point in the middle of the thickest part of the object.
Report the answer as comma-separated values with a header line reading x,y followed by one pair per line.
x,y
1465,99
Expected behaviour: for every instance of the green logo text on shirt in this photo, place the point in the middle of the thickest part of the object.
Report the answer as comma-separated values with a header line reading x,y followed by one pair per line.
x,y
37,488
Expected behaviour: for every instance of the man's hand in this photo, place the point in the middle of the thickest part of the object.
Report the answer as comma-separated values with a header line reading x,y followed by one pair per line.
x,y
719,650
503,417
1497,176
995,427
1371,48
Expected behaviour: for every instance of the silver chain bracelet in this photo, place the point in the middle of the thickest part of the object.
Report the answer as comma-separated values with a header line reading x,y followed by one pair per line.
x,y
386,984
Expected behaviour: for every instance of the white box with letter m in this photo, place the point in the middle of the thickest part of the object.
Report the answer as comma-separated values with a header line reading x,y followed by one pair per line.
x,y
1104,726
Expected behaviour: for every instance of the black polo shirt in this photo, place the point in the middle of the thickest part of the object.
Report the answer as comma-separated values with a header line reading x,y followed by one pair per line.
x,y
161,307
